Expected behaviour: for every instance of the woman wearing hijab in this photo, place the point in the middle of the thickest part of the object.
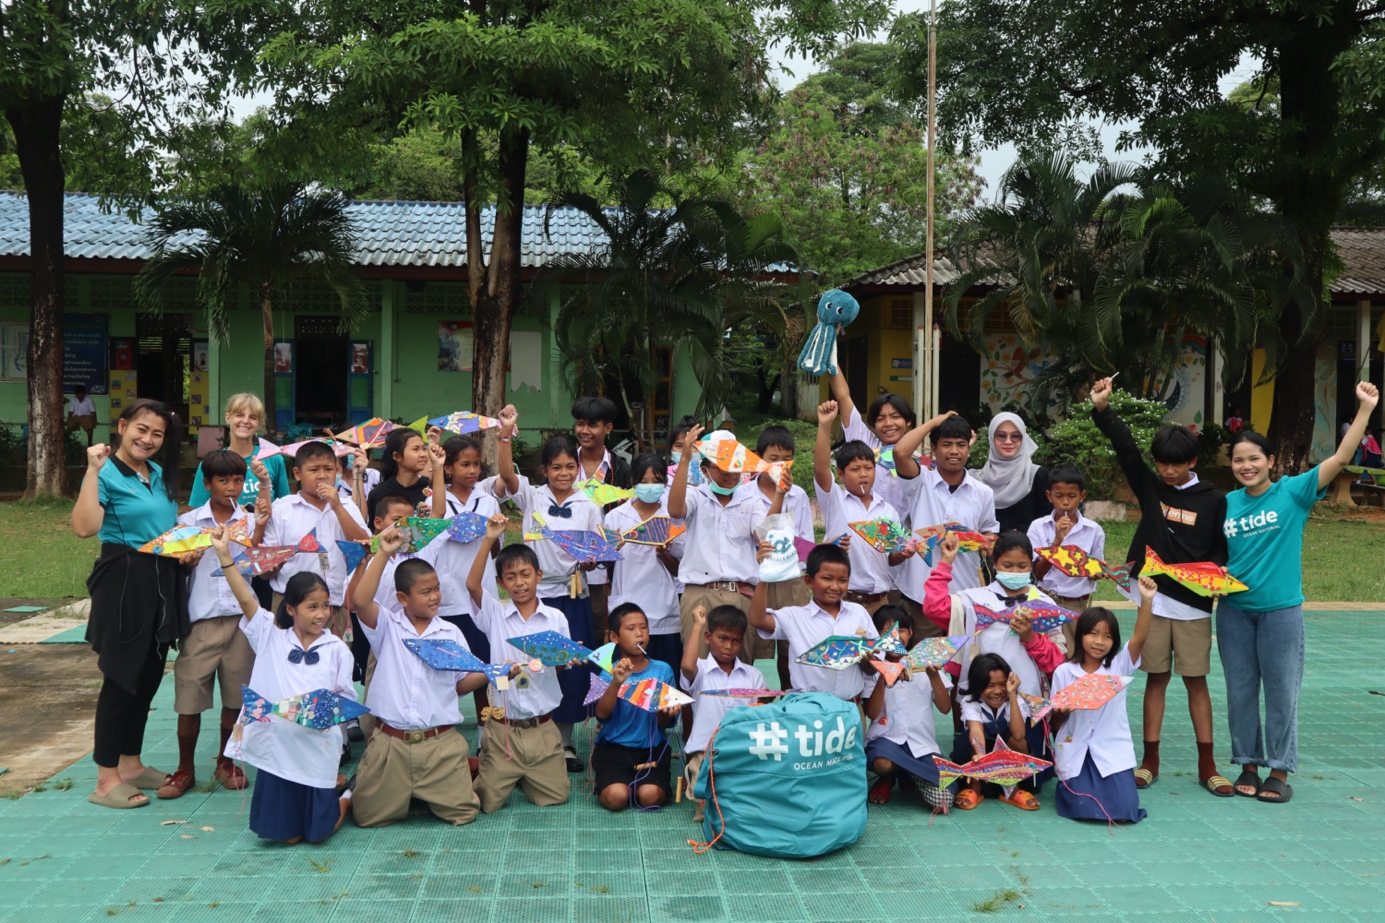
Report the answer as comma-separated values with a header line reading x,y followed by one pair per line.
x,y
1020,486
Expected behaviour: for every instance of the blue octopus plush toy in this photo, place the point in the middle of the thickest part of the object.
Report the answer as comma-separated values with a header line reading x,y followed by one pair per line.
x,y
835,309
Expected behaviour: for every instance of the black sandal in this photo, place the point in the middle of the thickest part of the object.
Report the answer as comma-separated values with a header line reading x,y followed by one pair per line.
x,y
573,763
1277,787
1251,778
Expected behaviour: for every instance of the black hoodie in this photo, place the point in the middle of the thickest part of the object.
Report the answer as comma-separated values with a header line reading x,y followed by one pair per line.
x,y
1182,526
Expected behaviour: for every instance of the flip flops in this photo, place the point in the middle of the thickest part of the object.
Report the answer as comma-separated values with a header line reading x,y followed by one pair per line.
x,y
119,797
1250,779
1144,779
968,798
1282,791
881,791
1021,799
1212,783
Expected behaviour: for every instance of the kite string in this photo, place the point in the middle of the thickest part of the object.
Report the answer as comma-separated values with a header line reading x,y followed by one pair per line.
x,y
700,848
1053,748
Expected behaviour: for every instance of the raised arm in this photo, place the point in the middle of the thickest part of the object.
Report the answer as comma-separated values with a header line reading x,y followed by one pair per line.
x,y
88,513
1019,741
606,705
1367,396
904,462
475,579
759,616
841,395
505,459
351,530
391,540
1128,454
221,544
1144,619
688,665
937,602
822,449
678,493
438,482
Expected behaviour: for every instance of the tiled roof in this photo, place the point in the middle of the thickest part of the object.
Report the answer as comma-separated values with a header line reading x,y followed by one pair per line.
x,y
388,233
912,272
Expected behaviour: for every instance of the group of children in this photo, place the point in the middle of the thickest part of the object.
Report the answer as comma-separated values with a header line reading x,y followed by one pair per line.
x,y
681,613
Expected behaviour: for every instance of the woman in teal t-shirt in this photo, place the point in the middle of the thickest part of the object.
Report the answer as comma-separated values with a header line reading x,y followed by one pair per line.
x,y
138,600
244,417
1260,630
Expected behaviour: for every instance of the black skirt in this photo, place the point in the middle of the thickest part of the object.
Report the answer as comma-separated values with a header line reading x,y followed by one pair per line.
x,y
137,600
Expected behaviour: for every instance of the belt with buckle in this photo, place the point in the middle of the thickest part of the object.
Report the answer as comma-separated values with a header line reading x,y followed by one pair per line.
x,y
730,586
522,723
864,599
412,737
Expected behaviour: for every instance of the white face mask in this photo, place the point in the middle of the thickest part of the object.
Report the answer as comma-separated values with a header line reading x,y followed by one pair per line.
x,y
1013,581
649,493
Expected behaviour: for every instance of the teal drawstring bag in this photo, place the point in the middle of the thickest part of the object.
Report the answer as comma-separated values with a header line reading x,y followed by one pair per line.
x,y
786,780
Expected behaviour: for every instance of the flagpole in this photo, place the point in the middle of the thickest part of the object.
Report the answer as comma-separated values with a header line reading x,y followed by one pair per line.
x,y
929,409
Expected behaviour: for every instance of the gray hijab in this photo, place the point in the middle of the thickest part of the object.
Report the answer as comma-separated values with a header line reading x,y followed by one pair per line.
x,y
1010,478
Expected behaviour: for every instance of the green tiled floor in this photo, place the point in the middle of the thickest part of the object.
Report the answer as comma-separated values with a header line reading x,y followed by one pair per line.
x,y
1197,858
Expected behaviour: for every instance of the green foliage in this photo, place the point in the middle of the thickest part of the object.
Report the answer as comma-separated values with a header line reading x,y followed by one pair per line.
x,y
1210,440
1077,441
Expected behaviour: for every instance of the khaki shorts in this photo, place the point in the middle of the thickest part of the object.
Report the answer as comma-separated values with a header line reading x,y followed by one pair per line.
x,y
534,762
216,648
1185,645
434,771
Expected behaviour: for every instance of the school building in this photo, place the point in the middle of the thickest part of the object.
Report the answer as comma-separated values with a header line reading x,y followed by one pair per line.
x,y
877,349
412,356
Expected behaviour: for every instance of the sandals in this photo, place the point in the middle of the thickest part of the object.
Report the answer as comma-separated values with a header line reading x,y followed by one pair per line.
x,y
1144,778
150,778
1023,800
1280,789
968,798
1249,779
119,797
176,785
881,791
1212,783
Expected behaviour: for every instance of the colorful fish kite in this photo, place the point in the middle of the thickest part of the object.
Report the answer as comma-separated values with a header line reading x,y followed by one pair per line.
x,y
446,654
653,694
252,562
1073,561
837,652
741,693
933,536
1044,616
732,457
935,652
369,434
604,656
266,450
1203,578
551,648
463,421
805,547
309,543
596,690
884,457
1087,693
889,641
884,535
421,530
583,546
319,709
338,448
179,542
656,530
601,493
466,527
1003,767
890,671
353,552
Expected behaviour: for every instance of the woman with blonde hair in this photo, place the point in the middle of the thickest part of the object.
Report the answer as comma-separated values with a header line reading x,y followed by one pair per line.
x,y
244,417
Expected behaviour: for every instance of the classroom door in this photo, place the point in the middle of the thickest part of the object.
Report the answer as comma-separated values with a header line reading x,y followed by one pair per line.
x,y
164,346
959,377
360,378
321,367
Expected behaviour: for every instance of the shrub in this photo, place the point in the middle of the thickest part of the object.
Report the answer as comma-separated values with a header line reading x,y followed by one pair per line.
x,y
1077,441
1209,444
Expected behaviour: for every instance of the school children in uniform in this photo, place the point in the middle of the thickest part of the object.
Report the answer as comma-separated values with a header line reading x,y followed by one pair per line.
x,y
522,745
356,479
992,710
1093,752
828,573
719,565
631,758
563,584
645,576
901,741
854,500
298,792
723,632
944,493
215,648
593,418
888,418
1066,526
415,750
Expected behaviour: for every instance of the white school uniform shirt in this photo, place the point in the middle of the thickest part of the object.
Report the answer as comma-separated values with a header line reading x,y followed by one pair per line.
x,y
997,638
888,485
1103,732
1163,605
210,597
557,565
369,481
720,543
81,408
795,504
288,750
930,502
500,621
598,576
708,710
870,569
294,517
1085,534
642,578
453,560
807,626
405,692
907,716
981,712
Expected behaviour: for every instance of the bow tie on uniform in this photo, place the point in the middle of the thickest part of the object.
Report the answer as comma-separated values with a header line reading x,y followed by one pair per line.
x,y
298,655
563,511
1016,600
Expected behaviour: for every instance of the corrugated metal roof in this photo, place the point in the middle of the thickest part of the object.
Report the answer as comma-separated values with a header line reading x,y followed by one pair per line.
x,y
912,272
388,233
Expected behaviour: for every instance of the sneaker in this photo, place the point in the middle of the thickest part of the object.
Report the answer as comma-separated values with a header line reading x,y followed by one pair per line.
x,y
176,785
231,776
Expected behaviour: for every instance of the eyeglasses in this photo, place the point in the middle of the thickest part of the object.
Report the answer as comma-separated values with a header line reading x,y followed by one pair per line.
x,y
1008,437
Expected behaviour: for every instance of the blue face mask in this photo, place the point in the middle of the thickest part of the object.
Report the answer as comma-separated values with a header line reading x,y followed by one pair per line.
x,y
676,456
1013,581
719,490
649,493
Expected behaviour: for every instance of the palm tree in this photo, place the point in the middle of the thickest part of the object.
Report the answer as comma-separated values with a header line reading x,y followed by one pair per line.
x,y
682,275
264,239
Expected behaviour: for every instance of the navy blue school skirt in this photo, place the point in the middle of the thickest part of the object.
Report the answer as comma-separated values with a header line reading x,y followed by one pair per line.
x,y
283,810
903,760
575,681
1115,793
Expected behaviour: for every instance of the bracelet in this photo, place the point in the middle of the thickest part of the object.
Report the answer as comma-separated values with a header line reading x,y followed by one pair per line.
x,y
505,439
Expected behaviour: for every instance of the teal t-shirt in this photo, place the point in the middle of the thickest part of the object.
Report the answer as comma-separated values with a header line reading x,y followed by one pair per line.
x,y
135,512
278,476
630,725
1264,538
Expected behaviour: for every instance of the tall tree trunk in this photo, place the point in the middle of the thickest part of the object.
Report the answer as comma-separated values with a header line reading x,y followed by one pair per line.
x,y
36,124
493,305
271,412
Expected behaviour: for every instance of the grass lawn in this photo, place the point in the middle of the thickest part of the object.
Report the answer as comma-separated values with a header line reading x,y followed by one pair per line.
x,y
1342,558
